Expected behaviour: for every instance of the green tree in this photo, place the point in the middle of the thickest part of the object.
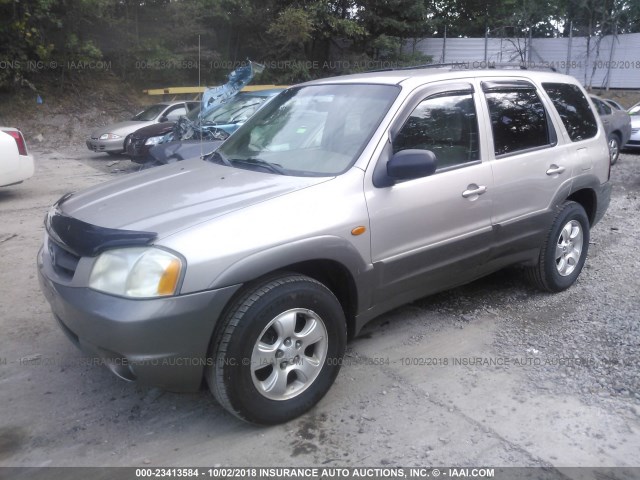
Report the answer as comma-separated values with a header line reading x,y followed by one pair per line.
x,y
389,23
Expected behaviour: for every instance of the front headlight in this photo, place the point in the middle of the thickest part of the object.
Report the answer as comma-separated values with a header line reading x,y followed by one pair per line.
x,y
153,140
137,272
109,136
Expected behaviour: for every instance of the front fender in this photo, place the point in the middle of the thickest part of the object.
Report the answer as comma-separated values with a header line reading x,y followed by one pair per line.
x,y
326,247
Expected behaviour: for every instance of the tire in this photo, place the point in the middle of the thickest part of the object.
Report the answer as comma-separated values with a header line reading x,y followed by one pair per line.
x,y
614,148
278,349
149,164
564,250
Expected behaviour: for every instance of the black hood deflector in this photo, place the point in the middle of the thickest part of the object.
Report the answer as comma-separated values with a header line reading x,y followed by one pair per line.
x,y
87,240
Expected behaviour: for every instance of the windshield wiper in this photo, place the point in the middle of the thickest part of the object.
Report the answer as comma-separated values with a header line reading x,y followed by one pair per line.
x,y
218,156
272,167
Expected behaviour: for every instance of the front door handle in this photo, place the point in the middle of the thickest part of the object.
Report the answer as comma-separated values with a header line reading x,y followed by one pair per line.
x,y
474,190
555,170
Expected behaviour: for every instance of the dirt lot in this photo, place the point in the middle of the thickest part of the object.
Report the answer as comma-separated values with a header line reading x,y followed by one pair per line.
x,y
490,374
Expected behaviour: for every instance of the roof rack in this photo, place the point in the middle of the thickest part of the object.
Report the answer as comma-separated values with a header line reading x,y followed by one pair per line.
x,y
476,64
416,67
523,66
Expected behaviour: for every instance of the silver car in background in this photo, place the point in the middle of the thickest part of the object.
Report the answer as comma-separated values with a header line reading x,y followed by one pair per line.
x,y
616,123
110,139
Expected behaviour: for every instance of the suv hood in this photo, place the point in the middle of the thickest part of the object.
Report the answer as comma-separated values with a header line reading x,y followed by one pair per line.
x,y
171,198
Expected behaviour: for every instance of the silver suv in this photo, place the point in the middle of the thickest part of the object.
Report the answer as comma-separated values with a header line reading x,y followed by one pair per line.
x,y
342,199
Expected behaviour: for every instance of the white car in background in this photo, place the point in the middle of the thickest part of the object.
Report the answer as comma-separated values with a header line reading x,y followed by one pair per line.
x,y
16,165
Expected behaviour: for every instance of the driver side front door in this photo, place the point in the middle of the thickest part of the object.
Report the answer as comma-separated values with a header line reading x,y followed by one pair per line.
x,y
431,233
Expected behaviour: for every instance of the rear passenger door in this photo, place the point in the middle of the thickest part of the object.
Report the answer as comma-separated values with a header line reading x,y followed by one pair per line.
x,y
529,167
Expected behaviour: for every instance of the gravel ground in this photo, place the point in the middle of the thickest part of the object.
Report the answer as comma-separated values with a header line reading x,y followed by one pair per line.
x,y
490,374
595,326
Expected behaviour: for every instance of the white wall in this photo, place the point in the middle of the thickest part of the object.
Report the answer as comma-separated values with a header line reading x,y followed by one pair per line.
x,y
566,57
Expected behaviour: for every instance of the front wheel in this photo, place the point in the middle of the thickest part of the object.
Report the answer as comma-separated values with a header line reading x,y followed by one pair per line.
x,y
278,349
564,251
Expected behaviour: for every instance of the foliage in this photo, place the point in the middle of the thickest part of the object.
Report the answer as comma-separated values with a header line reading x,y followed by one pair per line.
x,y
159,42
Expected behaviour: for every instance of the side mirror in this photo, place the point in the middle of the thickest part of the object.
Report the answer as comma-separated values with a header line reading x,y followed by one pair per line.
x,y
163,119
404,165
410,164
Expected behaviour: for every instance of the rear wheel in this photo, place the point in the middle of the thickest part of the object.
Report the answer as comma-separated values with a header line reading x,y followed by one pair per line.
x,y
278,350
564,251
614,148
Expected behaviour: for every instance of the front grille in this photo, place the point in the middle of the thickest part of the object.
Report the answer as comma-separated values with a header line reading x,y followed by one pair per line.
x,y
135,146
64,262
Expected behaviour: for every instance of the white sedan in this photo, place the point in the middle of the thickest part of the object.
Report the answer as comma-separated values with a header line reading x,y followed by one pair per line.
x,y
16,164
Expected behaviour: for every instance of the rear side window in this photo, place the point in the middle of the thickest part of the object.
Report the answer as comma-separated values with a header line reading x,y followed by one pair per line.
x,y
518,120
447,125
603,108
574,110
176,112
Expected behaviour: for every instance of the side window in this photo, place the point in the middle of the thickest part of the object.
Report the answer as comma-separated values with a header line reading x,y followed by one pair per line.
x,y
574,110
606,109
445,124
603,108
176,112
518,120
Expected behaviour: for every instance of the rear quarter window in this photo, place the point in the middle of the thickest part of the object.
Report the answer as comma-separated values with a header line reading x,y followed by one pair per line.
x,y
574,110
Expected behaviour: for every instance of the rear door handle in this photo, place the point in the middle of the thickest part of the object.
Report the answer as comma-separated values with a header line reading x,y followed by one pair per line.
x,y
555,170
474,190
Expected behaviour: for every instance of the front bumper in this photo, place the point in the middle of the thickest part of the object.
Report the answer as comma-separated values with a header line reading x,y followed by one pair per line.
x,y
137,151
161,342
113,146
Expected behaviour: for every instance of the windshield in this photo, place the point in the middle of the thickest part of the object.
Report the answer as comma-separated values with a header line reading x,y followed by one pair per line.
x,y
150,113
193,114
318,130
236,110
